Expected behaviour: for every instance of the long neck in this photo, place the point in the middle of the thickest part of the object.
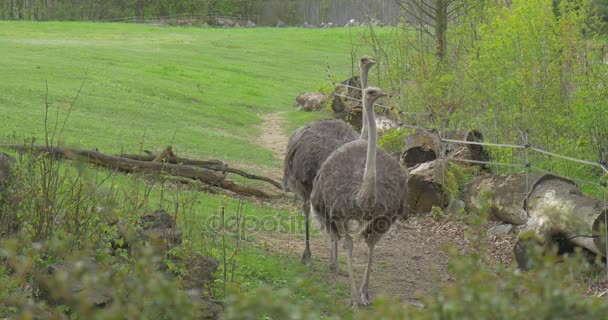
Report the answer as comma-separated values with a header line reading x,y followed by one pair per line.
x,y
364,71
367,194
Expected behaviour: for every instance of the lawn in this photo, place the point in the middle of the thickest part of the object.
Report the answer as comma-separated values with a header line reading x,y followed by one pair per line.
x,y
202,90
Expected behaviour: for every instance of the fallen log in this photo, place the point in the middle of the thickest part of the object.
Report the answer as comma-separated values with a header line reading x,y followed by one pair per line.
x,y
420,147
504,196
466,151
551,211
129,165
425,145
174,160
425,187
561,217
558,207
215,165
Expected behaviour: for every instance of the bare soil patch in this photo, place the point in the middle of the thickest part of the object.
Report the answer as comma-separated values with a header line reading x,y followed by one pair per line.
x,y
408,262
273,134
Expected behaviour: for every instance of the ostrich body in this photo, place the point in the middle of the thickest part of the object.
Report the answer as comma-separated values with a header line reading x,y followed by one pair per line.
x,y
307,149
360,190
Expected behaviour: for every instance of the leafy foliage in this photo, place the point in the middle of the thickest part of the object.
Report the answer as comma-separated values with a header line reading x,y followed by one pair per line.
x,y
393,140
513,69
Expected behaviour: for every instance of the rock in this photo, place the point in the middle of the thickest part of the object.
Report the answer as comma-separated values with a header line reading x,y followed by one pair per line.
x,y
199,270
282,24
308,25
210,309
455,207
250,24
82,279
500,229
158,228
311,101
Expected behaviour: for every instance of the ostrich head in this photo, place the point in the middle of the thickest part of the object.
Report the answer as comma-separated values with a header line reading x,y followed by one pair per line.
x,y
366,62
371,94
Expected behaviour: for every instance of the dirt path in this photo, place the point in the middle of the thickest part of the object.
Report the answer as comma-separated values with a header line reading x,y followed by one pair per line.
x,y
273,134
410,261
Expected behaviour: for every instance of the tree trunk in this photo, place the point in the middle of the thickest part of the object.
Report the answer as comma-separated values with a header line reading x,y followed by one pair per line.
x,y
441,22
561,217
557,212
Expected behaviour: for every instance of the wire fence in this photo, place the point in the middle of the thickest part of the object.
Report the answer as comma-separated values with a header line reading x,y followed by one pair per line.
x,y
529,151
526,146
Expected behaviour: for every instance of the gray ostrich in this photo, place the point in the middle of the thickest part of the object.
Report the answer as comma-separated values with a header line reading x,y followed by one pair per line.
x,y
365,64
307,150
360,190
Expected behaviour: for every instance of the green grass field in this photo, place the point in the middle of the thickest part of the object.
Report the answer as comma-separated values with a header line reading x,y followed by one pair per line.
x,y
202,90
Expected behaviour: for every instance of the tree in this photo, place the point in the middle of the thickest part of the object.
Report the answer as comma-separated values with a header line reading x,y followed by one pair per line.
x,y
432,17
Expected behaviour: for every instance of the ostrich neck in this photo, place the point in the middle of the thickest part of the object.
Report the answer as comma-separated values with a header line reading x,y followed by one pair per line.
x,y
367,194
363,76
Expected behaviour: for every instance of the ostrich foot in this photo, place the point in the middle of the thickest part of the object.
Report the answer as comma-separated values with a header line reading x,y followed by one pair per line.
x,y
354,299
335,268
306,258
365,299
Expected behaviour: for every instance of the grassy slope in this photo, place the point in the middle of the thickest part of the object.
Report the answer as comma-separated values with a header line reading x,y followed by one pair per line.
x,y
204,88
208,87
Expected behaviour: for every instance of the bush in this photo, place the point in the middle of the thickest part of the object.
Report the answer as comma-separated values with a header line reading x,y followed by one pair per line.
x,y
394,140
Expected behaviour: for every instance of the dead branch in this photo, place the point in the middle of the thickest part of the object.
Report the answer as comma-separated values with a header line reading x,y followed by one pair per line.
x,y
204,175
215,165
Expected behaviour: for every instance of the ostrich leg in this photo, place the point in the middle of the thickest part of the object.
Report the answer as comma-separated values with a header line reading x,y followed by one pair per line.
x,y
354,293
307,255
371,243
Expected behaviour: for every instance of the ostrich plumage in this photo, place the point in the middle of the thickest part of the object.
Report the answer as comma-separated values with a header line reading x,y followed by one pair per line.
x,y
359,192
307,149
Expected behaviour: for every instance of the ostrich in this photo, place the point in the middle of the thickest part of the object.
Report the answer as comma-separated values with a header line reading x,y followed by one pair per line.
x,y
360,186
307,150
365,60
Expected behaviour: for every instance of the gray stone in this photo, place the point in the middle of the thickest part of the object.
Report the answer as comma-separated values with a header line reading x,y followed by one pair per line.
x,y
455,207
501,229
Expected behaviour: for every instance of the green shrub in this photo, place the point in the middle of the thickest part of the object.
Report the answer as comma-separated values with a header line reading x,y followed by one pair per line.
x,y
393,140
